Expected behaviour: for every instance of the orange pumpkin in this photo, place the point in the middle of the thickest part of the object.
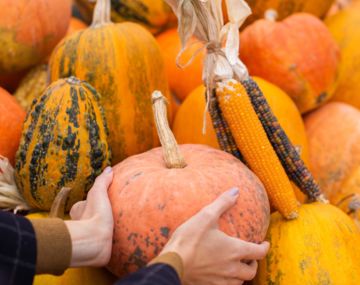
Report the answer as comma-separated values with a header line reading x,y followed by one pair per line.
x,y
188,122
334,133
75,25
12,118
123,62
154,192
181,81
29,30
344,26
298,54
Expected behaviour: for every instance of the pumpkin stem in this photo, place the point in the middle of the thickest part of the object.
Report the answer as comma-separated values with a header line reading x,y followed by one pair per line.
x,y
172,155
58,206
10,197
102,13
271,15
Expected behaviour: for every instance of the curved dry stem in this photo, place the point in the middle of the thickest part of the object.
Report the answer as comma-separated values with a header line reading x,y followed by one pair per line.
x,y
102,13
58,206
172,155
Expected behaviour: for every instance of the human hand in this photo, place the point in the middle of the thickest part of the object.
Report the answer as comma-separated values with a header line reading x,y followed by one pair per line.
x,y
92,224
211,257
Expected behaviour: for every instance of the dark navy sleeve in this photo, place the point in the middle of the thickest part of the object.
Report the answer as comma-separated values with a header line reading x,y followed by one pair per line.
x,y
157,274
17,250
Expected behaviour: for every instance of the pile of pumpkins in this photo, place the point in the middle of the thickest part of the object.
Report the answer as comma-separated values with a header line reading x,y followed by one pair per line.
x,y
82,101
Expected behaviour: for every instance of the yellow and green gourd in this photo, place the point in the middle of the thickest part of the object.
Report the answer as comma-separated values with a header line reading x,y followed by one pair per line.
x,y
63,144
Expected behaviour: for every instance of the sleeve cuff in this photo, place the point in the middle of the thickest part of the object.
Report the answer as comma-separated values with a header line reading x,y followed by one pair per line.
x,y
172,259
53,246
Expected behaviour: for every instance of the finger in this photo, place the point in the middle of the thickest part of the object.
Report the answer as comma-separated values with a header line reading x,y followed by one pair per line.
x,y
223,203
102,182
244,250
247,272
77,210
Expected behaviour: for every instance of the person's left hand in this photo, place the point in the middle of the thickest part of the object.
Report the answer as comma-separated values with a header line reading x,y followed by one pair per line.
x,y
91,227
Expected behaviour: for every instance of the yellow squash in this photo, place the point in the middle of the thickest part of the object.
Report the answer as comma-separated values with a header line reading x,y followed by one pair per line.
x,y
319,247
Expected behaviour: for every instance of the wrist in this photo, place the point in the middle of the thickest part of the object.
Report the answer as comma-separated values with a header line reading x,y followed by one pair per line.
x,y
88,246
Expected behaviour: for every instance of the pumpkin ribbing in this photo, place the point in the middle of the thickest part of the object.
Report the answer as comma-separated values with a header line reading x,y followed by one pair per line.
x,y
123,62
63,144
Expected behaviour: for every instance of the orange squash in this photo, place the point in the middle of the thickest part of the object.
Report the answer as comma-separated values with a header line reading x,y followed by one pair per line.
x,y
344,26
75,25
188,123
298,54
284,9
333,133
152,14
154,192
12,117
181,81
124,64
29,30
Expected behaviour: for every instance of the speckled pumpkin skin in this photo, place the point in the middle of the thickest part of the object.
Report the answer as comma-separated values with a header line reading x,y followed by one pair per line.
x,y
63,144
29,30
150,201
124,63
153,14
298,54
319,247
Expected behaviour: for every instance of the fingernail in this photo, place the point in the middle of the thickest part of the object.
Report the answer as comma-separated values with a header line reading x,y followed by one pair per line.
x,y
234,191
108,170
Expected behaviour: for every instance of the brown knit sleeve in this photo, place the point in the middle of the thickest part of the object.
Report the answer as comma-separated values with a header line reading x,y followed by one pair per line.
x,y
53,246
172,259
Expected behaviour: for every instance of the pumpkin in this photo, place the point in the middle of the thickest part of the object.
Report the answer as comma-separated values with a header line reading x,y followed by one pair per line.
x,y
276,52
154,192
64,143
338,6
181,81
72,276
153,14
188,122
123,62
344,26
29,30
32,86
75,25
319,247
288,7
333,133
12,117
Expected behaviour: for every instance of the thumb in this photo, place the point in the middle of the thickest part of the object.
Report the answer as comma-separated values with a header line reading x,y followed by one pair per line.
x,y
101,184
223,203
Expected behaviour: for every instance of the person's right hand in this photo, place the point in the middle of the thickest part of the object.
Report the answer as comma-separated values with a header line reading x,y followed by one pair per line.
x,y
211,257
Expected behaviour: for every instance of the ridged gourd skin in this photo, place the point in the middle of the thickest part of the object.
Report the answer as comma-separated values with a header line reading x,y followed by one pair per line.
x,y
285,8
319,247
153,14
297,54
124,63
32,86
12,117
64,143
150,201
29,30
344,27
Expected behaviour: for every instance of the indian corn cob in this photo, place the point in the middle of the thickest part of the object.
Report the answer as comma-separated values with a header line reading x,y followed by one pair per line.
x,y
254,145
288,155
